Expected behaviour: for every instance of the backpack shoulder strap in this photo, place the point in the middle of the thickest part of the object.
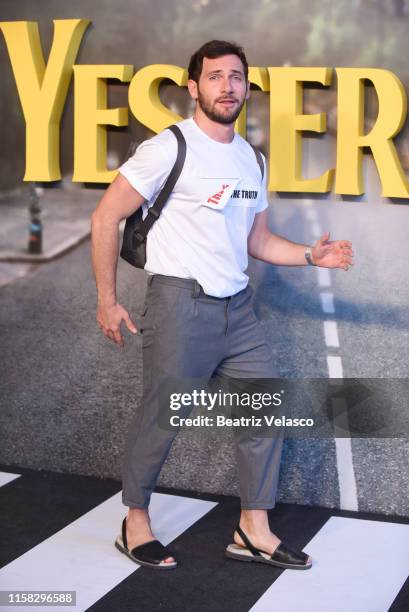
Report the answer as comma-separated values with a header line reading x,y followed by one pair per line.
x,y
156,208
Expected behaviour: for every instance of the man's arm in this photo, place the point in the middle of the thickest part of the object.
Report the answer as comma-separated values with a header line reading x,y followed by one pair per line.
x,y
118,202
271,248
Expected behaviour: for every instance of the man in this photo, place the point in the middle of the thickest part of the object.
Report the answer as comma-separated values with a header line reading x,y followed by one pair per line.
x,y
198,319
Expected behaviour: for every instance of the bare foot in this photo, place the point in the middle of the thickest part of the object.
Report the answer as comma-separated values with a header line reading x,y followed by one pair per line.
x,y
261,538
255,525
138,529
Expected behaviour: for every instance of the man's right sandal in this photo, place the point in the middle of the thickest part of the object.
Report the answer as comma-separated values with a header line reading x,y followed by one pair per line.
x,y
282,557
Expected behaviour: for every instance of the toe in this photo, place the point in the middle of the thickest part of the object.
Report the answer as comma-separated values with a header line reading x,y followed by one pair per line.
x,y
169,560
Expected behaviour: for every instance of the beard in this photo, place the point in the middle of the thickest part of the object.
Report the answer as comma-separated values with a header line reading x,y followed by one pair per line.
x,y
226,117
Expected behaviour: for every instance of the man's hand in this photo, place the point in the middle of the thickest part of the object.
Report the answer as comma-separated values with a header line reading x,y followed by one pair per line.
x,y
332,254
109,319
119,201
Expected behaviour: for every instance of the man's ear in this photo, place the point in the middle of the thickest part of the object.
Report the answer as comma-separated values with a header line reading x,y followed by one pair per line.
x,y
192,87
248,90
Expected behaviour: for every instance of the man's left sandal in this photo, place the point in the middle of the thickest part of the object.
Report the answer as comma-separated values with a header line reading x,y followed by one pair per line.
x,y
283,557
151,554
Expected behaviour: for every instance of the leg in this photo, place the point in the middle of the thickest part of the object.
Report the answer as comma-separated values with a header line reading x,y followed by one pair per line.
x,y
258,457
142,462
177,342
250,357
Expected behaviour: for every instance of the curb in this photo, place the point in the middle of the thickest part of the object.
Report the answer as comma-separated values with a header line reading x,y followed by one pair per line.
x,y
61,249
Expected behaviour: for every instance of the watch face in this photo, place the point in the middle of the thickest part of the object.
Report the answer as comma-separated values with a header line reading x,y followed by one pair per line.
x,y
308,257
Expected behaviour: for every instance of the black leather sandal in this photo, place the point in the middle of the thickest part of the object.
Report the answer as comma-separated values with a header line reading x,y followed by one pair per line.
x,y
151,554
282,557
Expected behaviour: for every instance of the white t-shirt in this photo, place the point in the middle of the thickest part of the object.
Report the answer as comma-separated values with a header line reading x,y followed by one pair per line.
x,y
202,230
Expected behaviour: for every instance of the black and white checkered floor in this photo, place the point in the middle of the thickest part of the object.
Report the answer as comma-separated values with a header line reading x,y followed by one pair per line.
x,y
57,533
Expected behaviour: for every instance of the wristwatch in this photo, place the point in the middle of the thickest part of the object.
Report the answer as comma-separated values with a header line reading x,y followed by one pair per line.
x,y
308,256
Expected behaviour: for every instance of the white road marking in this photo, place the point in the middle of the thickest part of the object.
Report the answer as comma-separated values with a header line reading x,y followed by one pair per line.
x,y
311,214
331,334
348,494
6,477
358,565
324,278
334,366
316,229
9,272
82,557
346,476
327,302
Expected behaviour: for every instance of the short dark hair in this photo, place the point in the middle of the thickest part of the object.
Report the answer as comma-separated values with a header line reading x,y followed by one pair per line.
x,y
212,50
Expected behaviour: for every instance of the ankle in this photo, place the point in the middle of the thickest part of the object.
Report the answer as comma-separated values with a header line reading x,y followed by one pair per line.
x,y
138,515
254,519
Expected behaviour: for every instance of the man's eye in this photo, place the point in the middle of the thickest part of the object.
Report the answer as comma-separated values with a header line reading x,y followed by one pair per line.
x,y
214,76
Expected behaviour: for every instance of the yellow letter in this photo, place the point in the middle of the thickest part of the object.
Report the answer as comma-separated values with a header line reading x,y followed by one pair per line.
x,y
286,124
147,108
43,90
351,138
91,118
144,100
259,77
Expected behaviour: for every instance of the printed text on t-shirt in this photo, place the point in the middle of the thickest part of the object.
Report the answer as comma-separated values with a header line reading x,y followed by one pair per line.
x,y
214,199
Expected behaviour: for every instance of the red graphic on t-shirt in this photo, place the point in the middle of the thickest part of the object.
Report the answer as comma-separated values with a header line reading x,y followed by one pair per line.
x,y
214,199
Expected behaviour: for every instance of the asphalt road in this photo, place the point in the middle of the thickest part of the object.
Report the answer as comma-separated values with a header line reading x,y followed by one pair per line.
x,y
68,394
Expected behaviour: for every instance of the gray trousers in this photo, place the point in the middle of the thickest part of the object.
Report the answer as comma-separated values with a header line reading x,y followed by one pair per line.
x,y
187,334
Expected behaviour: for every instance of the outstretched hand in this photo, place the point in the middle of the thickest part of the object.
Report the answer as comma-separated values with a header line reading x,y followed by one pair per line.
x,y
328,253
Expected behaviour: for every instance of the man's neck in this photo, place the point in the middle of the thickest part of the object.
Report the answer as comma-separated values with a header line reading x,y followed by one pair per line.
x,y
220,132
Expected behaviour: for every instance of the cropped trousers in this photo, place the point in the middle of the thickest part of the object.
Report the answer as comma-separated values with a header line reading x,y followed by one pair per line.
x,y
188,335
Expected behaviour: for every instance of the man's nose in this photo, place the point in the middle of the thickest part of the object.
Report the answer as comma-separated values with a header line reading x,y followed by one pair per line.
x,y
227,85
